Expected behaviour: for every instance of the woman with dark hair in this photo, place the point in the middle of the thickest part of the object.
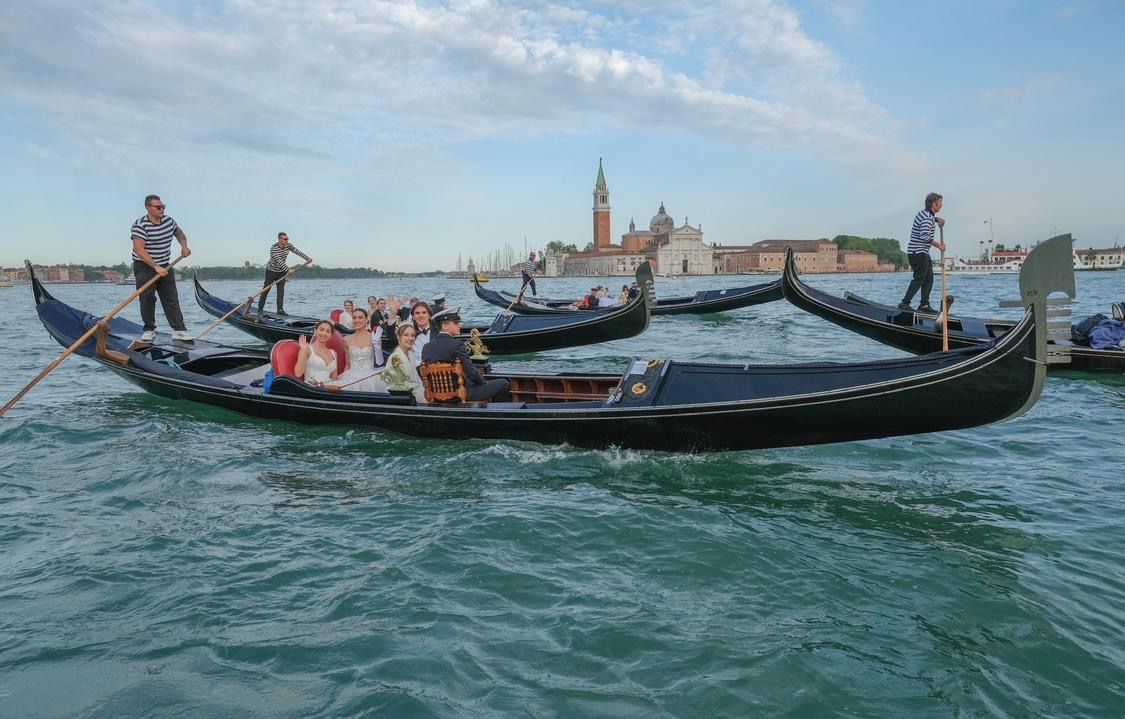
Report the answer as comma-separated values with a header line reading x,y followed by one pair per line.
x,y
401,374
316,362
361,375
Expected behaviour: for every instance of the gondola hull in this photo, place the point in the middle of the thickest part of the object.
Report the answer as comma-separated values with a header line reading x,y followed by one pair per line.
x,y
704,302
919,333
507,335
660,405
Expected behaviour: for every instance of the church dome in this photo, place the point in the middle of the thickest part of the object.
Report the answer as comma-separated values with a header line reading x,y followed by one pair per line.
x,y
661,222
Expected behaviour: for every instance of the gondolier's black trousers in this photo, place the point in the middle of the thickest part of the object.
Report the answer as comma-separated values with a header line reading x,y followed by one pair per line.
x,y
923,277
529,281
169,297
271,277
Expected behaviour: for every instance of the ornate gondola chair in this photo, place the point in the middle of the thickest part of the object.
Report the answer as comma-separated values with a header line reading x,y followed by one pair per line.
x,y
444,383
283,358
335,316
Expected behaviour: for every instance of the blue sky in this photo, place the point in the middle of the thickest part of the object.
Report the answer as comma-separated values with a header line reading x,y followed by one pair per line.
x,y
399,134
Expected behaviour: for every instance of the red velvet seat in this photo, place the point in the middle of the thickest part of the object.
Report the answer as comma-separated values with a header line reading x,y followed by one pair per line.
x,y
283,358
335,316
336,342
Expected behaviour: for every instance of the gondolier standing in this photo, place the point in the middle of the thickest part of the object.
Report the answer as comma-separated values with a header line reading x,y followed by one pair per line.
x,y
918,252
528,271
278,267
152,253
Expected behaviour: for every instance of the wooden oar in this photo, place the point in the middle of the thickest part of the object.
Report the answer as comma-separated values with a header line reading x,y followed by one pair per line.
x,y
519,297
250,299
944,296
103,322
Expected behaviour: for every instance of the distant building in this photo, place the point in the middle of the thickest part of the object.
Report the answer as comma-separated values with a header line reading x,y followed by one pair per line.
x,y
670,249
856,261
1100,259
812,256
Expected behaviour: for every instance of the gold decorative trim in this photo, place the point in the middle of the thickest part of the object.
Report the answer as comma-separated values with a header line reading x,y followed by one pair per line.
x,y
477,348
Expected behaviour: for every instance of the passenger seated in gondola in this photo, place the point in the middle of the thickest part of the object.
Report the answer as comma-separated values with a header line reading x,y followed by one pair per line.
x,y
1101,332
316,362
401,374
360,375
588,302
605,299
421,314
344,319
623,298
447,347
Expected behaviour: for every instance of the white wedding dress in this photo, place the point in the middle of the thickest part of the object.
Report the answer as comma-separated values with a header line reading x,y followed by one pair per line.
x,y
317,371
402,376
361,376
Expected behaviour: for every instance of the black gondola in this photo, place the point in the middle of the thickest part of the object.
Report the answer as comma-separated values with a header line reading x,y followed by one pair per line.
x,y
702,302
919,333
508,334
658,404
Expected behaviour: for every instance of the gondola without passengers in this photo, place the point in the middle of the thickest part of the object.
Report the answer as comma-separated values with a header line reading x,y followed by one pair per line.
x,y
507,334
919,333
702,302
657,404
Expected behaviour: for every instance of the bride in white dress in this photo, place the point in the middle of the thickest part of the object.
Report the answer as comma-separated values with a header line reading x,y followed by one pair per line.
x,y
316,363
361,375
402,374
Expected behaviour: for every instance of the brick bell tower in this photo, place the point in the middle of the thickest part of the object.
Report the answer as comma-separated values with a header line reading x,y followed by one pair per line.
x,y
601,211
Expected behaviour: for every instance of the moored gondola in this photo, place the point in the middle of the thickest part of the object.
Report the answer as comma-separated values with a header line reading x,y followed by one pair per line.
x,y
920,333
702,302
657,404
507,334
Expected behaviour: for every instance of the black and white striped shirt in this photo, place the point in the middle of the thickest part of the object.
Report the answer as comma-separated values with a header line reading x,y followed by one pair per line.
x,y
157,238
921,234
279,257
529,268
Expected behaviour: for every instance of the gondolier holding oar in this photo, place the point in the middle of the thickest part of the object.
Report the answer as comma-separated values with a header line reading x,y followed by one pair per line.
x,y
152,252
527,270
918,252
277,268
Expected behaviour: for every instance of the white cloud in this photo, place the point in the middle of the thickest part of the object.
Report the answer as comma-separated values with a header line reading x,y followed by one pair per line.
x,y
318,79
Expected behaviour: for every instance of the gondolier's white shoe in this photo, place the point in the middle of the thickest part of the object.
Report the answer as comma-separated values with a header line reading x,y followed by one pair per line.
x,y
182,335
148,336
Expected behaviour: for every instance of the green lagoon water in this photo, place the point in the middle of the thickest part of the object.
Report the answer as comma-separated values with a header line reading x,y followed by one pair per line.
x,y
163,559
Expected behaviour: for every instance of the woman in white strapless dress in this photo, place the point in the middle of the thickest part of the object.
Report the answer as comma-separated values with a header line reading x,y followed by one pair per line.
x,y
361,375
401,374
316,363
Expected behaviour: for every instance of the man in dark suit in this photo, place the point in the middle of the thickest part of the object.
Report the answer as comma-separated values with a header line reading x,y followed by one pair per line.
x,y
447,347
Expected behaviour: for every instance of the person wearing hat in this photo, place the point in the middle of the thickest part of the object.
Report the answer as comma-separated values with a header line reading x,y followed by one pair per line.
x,y
439,303
447,346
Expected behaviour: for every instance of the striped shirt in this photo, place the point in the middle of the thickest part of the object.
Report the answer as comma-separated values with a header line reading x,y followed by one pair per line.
x,y
157,238
529,268
279,257
921,234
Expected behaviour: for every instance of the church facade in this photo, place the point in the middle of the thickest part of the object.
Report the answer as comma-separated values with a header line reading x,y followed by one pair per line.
x,y
670,249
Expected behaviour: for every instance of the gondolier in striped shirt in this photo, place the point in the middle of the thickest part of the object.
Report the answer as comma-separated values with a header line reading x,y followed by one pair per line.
x,y
278,267
527,270
152,253
918,252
